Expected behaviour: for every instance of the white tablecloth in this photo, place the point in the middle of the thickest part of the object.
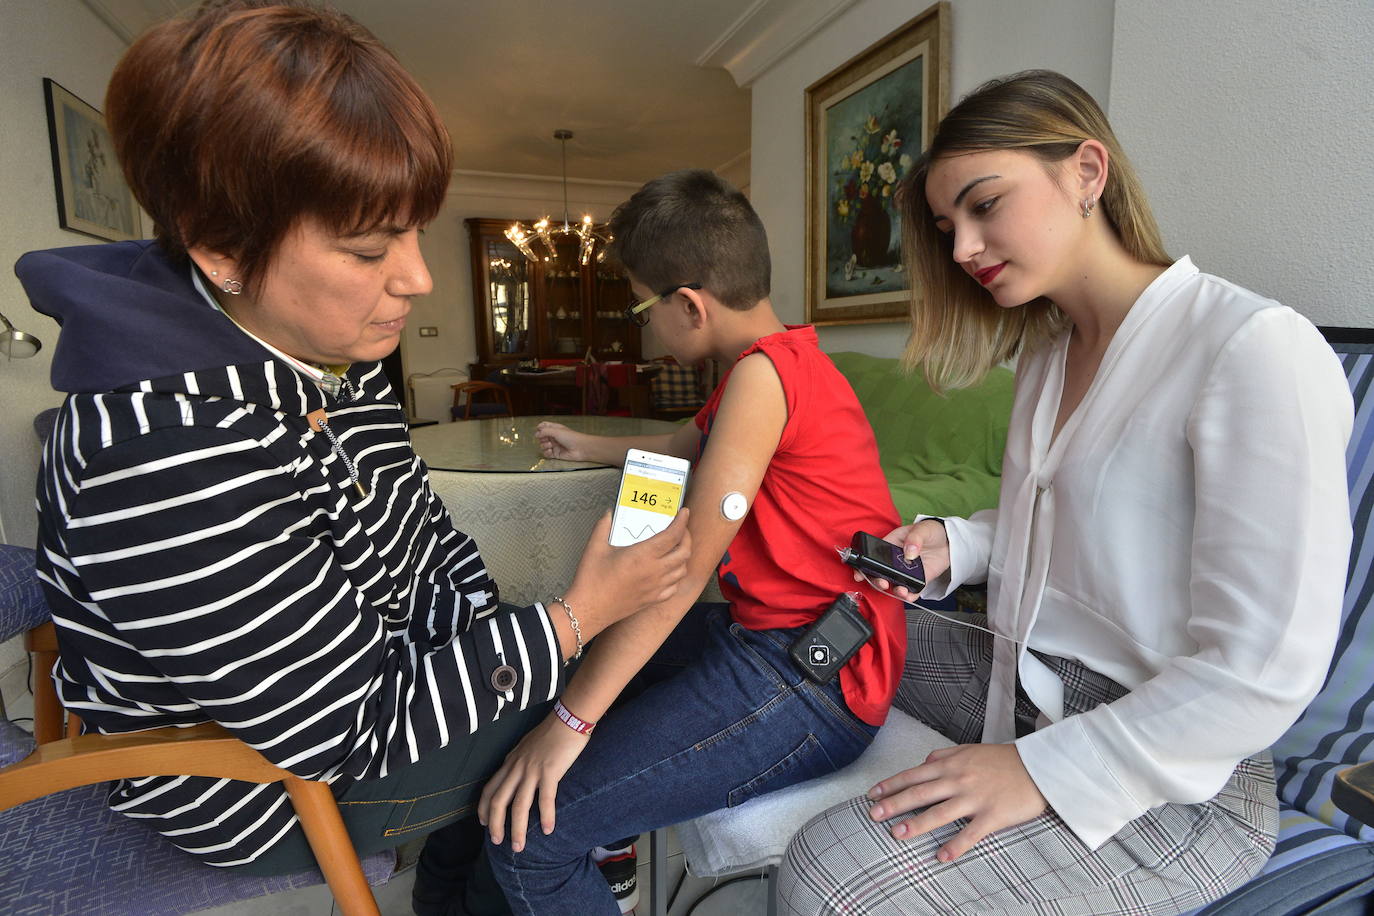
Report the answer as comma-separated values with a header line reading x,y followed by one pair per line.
x,y
531,528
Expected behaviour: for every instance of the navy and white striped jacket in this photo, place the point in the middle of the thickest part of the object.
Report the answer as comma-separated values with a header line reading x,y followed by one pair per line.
x,y
208,556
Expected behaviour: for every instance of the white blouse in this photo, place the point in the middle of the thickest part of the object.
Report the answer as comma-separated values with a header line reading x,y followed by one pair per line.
x,y
1185,535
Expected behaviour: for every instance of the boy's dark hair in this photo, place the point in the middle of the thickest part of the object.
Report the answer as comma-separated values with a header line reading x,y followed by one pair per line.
x,y
691,226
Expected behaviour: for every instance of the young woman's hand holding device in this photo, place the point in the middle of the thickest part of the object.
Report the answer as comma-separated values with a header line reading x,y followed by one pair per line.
x,y
925,539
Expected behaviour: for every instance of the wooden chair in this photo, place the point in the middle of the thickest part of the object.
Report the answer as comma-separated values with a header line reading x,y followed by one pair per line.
x,y
466,406
65,759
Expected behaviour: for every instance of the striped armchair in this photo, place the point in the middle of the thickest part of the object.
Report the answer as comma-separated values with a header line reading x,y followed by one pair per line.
x,y
1324,861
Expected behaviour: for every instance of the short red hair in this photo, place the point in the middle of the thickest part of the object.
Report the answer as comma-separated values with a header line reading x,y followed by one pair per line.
x,y
236,122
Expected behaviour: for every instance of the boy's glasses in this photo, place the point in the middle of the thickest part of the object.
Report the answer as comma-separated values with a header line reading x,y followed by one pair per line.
x,y
638,314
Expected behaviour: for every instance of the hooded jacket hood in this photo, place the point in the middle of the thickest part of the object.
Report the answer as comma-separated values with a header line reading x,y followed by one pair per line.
x,y
128,314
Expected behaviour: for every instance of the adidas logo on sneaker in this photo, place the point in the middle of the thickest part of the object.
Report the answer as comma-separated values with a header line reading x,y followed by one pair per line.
x,y
620,872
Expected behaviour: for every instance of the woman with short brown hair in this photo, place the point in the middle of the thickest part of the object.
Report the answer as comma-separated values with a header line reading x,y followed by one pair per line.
x,y
234,526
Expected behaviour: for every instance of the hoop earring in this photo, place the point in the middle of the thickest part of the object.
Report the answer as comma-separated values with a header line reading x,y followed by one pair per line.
x,y
1086,207
232,287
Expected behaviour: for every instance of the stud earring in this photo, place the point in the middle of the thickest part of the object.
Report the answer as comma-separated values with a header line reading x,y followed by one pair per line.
x,y
232,287
1086,207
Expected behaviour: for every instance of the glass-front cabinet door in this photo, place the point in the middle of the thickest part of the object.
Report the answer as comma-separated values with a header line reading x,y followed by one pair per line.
x,y
613,337
508,291
503,298
563,303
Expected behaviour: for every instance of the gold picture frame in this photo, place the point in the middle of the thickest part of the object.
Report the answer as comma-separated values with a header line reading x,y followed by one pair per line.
x,y
866,123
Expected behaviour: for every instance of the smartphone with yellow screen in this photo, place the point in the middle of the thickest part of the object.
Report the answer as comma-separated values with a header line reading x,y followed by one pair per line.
x,y
651,490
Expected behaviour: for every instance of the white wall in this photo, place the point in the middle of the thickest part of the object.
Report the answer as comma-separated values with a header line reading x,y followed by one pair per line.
x,y
988,37
62,40
1252,126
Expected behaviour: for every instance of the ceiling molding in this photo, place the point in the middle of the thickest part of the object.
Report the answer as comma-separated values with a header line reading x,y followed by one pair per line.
x,y
130,18
107,16
767,32
619,116
508,186
741,159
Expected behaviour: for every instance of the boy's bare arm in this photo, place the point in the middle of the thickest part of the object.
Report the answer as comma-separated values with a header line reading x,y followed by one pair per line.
x,y
683,443
558,441
745,434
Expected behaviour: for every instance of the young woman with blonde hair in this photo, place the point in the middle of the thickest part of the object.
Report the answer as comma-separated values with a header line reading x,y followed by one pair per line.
x,y
1164,567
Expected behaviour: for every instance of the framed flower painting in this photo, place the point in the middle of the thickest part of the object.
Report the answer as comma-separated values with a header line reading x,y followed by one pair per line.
x,y
866,124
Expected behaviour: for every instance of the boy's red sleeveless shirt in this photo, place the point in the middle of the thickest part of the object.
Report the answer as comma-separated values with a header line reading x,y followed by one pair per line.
x,y
822,485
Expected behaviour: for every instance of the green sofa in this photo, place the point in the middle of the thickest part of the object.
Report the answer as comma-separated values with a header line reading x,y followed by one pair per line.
x,y
941,455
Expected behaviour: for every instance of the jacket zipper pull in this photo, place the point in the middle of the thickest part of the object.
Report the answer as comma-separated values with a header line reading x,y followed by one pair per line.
x,y
318,420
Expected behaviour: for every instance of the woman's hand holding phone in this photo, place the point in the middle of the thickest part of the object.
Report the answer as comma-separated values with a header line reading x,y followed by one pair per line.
x,y
612,583
925,539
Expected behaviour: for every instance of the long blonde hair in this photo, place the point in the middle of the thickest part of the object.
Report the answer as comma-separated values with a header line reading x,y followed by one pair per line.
x,y
958,332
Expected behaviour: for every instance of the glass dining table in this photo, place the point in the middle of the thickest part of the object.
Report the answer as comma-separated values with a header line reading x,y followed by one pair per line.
x,y
507,444
531,516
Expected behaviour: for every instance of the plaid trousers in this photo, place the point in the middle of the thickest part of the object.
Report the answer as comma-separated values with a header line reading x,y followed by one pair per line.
x,y
1169,860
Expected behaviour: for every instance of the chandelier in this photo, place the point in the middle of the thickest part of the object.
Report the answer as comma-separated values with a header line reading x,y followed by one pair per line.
x,y
587,233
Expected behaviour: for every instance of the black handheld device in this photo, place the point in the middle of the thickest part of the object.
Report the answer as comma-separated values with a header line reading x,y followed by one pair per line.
x,y
884,560
823,648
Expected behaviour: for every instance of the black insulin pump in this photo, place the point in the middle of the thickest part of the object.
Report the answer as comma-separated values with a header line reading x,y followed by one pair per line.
x,y
884,560
822,650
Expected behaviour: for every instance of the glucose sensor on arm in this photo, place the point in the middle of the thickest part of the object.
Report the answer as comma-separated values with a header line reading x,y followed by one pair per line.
x,y
734,506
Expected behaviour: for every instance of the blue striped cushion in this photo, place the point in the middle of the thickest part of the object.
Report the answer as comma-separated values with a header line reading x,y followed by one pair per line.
x,y
1336,730
1318,858
1300,836
1312,862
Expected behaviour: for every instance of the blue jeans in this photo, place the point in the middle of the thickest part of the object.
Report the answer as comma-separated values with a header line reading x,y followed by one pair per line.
x,y
726,716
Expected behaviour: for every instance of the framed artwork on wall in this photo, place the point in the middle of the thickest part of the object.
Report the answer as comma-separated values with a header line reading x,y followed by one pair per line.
x,y
92,197
866,123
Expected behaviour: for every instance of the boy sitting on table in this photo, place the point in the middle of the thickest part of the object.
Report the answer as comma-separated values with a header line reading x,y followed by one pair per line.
x,y
727,714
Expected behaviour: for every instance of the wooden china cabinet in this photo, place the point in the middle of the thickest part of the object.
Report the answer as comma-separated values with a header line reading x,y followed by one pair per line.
x,y
555,309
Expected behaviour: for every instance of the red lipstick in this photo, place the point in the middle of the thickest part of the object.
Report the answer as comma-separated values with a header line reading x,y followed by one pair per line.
x,y
988,274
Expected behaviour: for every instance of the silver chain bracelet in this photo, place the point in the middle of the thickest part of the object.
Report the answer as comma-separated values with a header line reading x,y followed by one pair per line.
x,y
572,619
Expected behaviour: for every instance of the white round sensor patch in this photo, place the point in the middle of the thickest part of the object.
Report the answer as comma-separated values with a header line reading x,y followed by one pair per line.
x,y
734,505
